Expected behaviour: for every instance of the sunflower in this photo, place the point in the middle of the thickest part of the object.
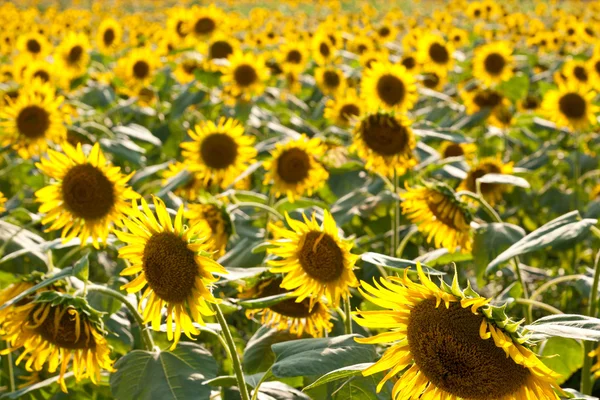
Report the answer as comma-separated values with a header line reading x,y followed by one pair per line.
x,y
386,142
433,80
245,76
570,106
205,21
369,58
294,168
315,259
88,197
216,220
388,86
173,265
138,67
289,315
440,215
493,63
73,54
459,37
452,149
32,120
109,36
219,48
450,344
178,21
192,189
593,68
409,61
330,80
492,192
56,328
530,103
576,70
2,205
186,68
502,117
483,99
435,53
219,152
293,56
323,50
342,110
42,70
34,45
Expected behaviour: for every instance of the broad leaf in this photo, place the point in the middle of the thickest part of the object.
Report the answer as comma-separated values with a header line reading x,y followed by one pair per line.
x,y
345,372
396,264
570,326
568,356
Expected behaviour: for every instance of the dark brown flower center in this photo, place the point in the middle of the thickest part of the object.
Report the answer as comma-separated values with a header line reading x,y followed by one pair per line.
x,y
331,79
572,105
294,57
288,307
218,151
170,267
597,67
494,63
391,90
409,62
141,69
431,80
109,37
33,46
480,171
42,74
324,49
189,66
33,122
487,99
445,210
320,257
453,150
75,54
439,53
204,26
245,75
384,135
448,350
580,73
65,335
179,28
293,165
87,192
220,49
531,103
384,31
349,111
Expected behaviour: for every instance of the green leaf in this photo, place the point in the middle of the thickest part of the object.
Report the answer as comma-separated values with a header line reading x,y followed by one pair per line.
x,y
316,357
190,95
565,229
164,375
504,179
48,281
234,274
29,390
81,269
569,356
258,355
442,257
280,391
345,372
284,204
515,88
262,247
138,132
489,240
396,264
571,326
264,302
124,149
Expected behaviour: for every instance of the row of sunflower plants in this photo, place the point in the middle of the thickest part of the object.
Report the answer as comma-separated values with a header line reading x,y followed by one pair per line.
x,y
299,200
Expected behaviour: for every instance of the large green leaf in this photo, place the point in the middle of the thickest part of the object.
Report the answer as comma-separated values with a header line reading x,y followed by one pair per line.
x,y
316,357
489,240
164,375
341,373
395,264
559,232
564,356
571,326
258,355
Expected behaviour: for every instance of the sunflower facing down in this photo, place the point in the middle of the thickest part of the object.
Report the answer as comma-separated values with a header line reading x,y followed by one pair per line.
x,y
173,265
294,168
219,152
389,87
450,344
245,76
386,143
344,109
316,261
570,106
32,120
57,328
492,192
493,63
439,215
88,196
216,220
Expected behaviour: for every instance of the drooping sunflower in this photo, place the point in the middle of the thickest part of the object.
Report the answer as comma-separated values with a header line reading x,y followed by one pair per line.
x,y
88,196
109,37
2,203
571,106
289,315
435,53
215,219
73,54
245,76
331,80
295,169
34,44
173,265
388,86
178,22
440,215
138,67
342,110
386,143
451,149
450,344
492,192
32,120
56,328
493,63
316,261
219,152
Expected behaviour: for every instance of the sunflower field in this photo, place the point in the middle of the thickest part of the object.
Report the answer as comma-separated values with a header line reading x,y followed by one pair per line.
x,y
299,199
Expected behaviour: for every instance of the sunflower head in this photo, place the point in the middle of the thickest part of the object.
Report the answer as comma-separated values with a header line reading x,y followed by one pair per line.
x,y
571,106
34,44
451,149
344,109
109,36
435,53
73,54
138,67
493,63
386,143
54,328
451,343
294,168
389,87
245,76
492,192
316,261
174,265
331,80
216,220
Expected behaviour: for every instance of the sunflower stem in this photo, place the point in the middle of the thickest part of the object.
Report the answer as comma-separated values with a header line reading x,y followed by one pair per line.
x,y
400,250
395,217
9,371
586,370
539,304
235,359
266,376
348,315
134,312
